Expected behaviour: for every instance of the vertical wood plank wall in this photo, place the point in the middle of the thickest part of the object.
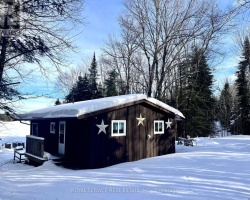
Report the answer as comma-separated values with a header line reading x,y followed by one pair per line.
x,y
35,146
50,139
100,150
85,148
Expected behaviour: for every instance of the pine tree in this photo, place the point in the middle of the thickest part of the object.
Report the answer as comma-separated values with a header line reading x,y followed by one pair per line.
x,y
111,83
197,100
243,92
80,91
225,106
235,119
86,87
93,87
100,91
26,35
83,91
8,95
57,102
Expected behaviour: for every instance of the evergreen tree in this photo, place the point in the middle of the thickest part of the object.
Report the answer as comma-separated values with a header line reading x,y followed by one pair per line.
x,y
83,91
26,35
100,91
243,92
111,83
225,106
86,87
71,96
93,87
57,102
235,119
197,102
8,95
80,91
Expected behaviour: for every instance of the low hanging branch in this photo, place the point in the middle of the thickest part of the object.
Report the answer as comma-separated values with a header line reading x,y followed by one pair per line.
x,y
32,30
9,84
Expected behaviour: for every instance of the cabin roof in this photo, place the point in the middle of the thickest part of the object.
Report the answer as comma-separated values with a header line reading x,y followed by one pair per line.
x,y
90,107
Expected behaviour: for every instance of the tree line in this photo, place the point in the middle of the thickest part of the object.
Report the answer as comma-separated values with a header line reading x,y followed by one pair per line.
x,y
195,94
165,49
90,86
233,105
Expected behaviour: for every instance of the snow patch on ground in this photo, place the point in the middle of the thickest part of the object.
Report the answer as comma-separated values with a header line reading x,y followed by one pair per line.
x,y
216,168
13,132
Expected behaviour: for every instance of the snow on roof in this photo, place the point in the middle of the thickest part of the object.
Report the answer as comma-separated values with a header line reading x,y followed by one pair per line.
x,y
84,107
165,106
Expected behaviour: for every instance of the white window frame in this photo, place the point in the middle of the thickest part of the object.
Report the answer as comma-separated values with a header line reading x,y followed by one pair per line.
x,y
33,129
159,122
112,126
52,127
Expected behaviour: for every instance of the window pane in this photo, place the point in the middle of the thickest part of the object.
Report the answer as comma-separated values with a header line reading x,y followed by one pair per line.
x,y
52,127
115,127
62,128
121,127
160,127
156,126
62,132
62,138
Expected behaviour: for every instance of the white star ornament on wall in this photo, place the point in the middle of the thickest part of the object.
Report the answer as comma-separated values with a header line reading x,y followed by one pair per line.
x,y
140,120
102,128
168,124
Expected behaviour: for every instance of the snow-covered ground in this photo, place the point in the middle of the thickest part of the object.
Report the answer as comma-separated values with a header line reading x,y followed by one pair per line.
x,y
213,169
13,131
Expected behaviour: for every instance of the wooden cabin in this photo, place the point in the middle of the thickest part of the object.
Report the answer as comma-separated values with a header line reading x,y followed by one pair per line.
x,y
107,131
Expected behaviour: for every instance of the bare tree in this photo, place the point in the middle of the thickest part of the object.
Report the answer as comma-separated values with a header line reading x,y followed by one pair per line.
x,y
158,36
121,54
35,36
166,29
65,80
39,32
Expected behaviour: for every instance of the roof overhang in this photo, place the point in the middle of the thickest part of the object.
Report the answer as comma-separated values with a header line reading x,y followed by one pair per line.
x,y
85,109
124,106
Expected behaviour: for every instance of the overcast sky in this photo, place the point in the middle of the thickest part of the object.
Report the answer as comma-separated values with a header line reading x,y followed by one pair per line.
x,y
101,20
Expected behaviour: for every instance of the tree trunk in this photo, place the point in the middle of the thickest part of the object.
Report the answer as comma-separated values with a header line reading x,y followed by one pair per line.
x,y
3,50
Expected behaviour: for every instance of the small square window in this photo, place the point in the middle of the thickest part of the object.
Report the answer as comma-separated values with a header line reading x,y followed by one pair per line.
x,y
158,127
52,127
34,129
118,128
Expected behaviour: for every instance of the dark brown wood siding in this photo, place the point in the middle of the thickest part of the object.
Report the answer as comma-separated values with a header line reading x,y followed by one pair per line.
x,y
50,139
85,148
88,149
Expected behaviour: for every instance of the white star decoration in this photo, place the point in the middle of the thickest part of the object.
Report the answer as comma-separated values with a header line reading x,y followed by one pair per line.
x,y
140,120
102,127
168,124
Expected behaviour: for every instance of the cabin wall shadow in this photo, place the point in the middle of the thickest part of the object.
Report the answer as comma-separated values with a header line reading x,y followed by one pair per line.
x,y
50,139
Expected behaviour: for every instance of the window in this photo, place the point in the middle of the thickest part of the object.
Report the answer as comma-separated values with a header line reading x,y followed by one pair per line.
x,y
118,128
158,127
52,127
35,129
